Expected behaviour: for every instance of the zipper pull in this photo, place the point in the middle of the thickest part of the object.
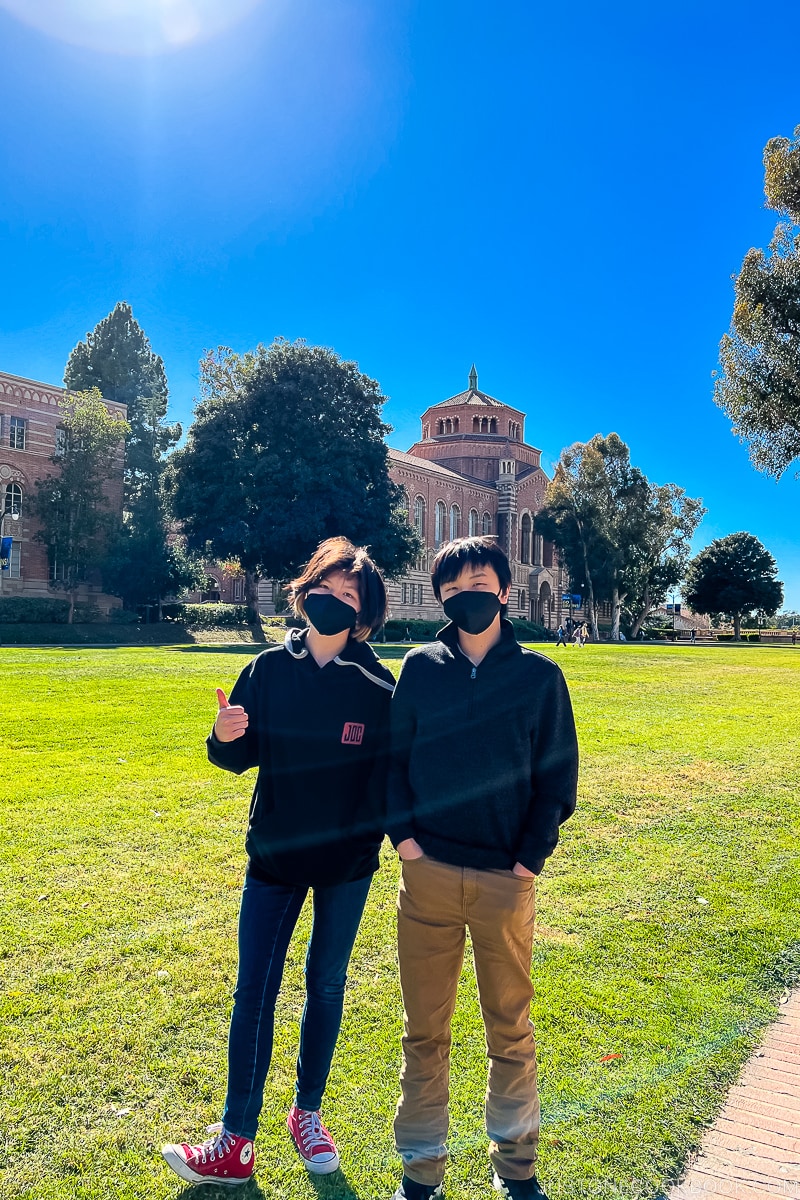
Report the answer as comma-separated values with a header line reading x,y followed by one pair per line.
x,y
473,673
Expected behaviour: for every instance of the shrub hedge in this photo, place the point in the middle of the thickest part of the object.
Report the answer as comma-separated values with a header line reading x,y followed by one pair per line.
x,y
206,616
33,610
417,630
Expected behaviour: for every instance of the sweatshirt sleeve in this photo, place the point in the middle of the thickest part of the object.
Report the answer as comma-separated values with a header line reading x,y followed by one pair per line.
x,y
242,753
399,796
554,781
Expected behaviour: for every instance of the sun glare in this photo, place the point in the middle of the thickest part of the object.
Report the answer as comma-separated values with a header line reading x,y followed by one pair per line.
x,y
138,27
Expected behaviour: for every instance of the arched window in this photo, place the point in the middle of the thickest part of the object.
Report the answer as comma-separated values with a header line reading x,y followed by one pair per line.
x,y
473,522
487,523
403,504
419,516
440,427
441,519
455,424
455,522
493,425
484,425
426,432
13,498
476,425
525,538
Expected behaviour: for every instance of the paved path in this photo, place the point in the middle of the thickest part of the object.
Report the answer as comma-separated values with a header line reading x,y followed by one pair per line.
x,y
753,1149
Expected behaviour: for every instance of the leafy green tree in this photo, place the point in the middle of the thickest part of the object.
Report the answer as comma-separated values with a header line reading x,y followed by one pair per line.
x,y
657,562
71,504
622,539
287,448
734,576
759,383
143,566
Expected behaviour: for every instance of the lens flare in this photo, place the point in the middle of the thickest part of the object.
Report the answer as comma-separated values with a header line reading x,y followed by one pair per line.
x,y
133,27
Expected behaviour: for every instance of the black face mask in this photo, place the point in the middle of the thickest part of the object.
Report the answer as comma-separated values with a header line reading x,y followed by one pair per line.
x,y
328,614
472,612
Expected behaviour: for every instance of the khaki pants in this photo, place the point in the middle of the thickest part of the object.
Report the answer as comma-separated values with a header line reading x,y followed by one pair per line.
x,y
436,905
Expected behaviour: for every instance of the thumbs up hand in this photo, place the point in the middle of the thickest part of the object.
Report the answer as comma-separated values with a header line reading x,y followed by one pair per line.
x,y
231,722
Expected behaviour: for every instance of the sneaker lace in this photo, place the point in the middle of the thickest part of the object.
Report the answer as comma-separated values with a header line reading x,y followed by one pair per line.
x,y
217,1146
311,1131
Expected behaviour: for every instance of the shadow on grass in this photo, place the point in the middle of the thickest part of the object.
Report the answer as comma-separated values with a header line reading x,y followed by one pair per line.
x,y
334,1187
215,1191
328,1187
222,648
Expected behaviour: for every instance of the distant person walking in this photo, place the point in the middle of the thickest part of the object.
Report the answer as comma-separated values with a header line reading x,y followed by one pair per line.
x,y
693,637
561,637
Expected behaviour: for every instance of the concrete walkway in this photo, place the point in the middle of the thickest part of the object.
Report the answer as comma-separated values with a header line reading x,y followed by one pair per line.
x,y
753,1149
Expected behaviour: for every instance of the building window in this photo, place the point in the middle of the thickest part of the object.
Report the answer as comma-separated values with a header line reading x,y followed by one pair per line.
x,y
487,523
455,522
455,424
404,593
419,516
12,570
525,538
13,498
16,437
473,522
493,425
238,590
419,593
440,523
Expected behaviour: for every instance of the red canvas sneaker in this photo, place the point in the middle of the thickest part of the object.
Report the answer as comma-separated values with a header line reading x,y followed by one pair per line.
x,y
314,1143
223,1159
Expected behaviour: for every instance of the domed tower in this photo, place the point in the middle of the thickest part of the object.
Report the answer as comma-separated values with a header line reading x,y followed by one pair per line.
x,y
473,433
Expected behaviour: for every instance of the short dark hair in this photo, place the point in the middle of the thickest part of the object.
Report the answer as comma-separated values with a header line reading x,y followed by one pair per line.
x,y
339,554
469,552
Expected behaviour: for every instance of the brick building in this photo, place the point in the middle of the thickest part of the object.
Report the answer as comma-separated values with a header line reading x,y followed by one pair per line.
x,y
30,421
472,472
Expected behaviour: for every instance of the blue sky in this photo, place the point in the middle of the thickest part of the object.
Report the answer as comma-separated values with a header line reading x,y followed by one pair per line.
x,y
557,193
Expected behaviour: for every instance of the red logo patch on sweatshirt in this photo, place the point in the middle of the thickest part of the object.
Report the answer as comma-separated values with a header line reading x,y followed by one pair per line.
x,y
352,734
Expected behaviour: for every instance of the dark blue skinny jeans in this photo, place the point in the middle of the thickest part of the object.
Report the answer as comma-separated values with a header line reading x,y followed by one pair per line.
x,y
267,918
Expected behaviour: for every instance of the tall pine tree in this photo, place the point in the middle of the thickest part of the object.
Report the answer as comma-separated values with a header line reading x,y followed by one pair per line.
x,y
117,359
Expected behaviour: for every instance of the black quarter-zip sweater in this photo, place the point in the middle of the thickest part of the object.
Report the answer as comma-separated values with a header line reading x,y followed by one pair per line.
x,y
484,762
319,737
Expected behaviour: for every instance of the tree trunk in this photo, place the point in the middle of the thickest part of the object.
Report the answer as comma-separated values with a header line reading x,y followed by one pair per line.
x,y
589,587
639,621
737,627
71,613
615,606
251,597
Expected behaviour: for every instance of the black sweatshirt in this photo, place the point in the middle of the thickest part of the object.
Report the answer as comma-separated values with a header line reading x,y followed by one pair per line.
x,y
484,764
319,739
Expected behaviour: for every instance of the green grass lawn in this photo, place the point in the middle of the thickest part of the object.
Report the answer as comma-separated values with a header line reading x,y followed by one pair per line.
x,y
668,927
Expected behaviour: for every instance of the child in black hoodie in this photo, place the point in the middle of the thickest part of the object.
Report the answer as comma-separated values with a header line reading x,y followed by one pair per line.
x,y
312,715
483,772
